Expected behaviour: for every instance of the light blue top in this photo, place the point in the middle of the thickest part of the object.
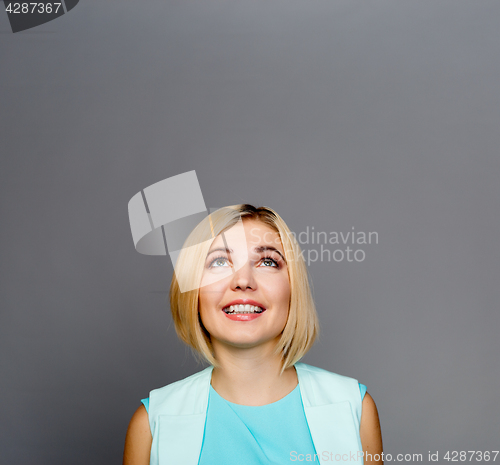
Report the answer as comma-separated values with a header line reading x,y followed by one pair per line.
x,y
362,390
270,434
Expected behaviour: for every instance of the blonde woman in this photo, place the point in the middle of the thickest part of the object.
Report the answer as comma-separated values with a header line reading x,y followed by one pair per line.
x,y
240,298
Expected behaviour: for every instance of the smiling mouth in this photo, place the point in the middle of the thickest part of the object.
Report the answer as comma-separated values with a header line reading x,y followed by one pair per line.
x,y
242,309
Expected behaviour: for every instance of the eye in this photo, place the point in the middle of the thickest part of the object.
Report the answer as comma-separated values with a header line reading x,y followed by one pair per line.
x,y
269,262
219,262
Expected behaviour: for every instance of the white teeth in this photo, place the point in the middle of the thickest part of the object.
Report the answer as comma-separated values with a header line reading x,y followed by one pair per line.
x,y
243,309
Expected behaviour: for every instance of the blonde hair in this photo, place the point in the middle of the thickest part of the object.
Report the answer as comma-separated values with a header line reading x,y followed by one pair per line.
x,y
301,328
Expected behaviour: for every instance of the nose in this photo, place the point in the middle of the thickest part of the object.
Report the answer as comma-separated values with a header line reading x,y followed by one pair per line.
x,y
244,278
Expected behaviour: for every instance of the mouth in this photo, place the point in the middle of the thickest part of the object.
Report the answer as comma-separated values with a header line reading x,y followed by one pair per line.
x,y
242,309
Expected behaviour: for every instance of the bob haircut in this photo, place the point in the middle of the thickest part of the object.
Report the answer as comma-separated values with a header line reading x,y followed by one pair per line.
x,y
301,328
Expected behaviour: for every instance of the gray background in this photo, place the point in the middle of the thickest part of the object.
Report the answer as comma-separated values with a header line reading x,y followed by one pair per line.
x,y
379,115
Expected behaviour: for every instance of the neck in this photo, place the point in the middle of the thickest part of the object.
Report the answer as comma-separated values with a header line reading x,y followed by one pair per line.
x,y
251,376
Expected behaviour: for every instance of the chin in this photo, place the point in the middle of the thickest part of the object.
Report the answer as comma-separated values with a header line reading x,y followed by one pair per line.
x,y
250,342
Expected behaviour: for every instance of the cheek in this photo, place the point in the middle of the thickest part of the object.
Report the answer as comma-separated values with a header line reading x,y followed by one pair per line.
x,y
209,299
284,290
203,303
205,300
204,315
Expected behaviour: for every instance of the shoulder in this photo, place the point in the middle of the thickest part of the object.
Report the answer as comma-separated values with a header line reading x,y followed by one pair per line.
x,y
183,397
369,403
138,439
139,419
321,386
369,413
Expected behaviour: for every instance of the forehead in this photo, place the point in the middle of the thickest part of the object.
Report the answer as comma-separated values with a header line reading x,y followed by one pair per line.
x,y
248,234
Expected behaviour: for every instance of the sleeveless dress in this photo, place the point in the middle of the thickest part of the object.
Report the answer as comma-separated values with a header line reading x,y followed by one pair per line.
x,y
271,434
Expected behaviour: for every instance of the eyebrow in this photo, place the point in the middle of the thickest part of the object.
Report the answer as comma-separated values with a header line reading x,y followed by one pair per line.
x,y
261,249
220,249
265,248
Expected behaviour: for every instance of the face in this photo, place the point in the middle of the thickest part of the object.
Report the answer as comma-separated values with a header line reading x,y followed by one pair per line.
x,y
245,290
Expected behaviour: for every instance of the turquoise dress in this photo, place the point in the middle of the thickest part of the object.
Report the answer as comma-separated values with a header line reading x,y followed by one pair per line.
x,y
271,434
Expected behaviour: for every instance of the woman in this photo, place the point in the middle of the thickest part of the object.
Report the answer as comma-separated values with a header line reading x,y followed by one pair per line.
x,y
240,298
